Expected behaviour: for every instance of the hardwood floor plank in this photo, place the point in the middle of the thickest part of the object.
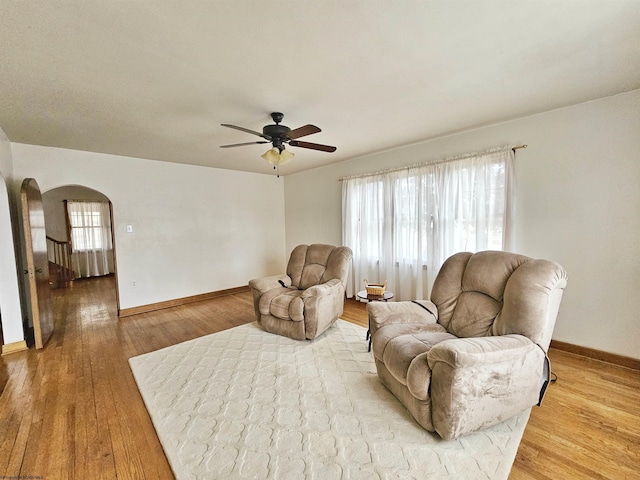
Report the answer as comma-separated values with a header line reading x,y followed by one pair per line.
x,y
14,429
18,447
41,388
84,420
73,411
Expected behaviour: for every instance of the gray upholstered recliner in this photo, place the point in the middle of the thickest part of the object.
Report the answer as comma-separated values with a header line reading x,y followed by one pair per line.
x,y
309,298
475,355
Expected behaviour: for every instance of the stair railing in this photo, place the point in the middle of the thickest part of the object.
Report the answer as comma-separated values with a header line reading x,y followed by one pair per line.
x,y
59,253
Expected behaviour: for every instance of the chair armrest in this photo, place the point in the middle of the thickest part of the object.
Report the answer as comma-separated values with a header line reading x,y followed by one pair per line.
x,y
386,313
332,286
264,284
479,382
474,352
323,305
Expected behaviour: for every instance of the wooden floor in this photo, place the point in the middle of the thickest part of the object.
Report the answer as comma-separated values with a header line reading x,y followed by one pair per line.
x,y
73,411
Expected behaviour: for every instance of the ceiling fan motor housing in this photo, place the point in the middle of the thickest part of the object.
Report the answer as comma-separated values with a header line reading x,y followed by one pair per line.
x,y
277,132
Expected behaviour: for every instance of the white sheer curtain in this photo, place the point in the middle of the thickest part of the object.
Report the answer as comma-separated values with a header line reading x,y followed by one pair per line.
x,y
403,224
90,224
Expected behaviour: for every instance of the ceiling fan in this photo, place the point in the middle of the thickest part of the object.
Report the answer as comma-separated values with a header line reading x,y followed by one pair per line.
x,y
279,135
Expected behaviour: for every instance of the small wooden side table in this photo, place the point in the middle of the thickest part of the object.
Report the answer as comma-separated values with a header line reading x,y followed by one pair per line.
x,y
362,295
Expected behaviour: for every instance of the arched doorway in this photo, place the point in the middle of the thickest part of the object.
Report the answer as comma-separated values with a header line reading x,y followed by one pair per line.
x,y
85,260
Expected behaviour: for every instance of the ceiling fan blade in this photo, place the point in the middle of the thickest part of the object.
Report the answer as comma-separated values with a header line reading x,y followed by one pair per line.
x,y
312,146
242,144
242,129
302,132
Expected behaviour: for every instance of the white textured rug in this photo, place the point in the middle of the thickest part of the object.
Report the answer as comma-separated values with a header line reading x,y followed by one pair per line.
x,y
244,403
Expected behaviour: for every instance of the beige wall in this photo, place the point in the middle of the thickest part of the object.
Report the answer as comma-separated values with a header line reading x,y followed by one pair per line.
x,y
195,229
578,204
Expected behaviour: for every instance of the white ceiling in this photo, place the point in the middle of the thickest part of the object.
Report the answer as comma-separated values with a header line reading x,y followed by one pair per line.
x,y
156,78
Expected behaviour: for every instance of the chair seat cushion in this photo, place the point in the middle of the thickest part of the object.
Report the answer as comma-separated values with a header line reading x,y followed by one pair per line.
x,y
397,345
283,303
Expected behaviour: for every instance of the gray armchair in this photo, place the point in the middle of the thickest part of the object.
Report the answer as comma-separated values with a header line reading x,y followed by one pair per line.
x,y
309,298
475,355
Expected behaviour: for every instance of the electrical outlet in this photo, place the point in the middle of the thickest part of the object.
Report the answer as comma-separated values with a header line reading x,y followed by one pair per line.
x,y
134,283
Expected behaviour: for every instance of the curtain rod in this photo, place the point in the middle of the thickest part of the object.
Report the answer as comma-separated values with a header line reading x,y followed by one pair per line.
x,y
513,149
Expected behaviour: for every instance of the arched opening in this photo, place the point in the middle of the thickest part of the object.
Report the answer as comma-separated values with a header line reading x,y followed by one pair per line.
x,y
79,223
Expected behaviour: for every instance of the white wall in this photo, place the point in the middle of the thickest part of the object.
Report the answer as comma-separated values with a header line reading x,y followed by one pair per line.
x,y
195,229
578,204
10,309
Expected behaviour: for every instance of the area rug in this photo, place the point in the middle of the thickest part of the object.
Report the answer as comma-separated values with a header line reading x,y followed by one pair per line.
x,y
243,403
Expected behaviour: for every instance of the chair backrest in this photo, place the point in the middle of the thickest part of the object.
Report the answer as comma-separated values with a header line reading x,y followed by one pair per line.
x,y
499,293
316,264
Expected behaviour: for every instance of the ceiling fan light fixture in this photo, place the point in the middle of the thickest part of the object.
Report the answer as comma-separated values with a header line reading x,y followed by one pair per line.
x,y
276,157
286,156
272,155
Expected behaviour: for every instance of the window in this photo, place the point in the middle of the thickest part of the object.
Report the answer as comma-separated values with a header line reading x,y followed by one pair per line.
x,y
90,227
85,230
403,223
